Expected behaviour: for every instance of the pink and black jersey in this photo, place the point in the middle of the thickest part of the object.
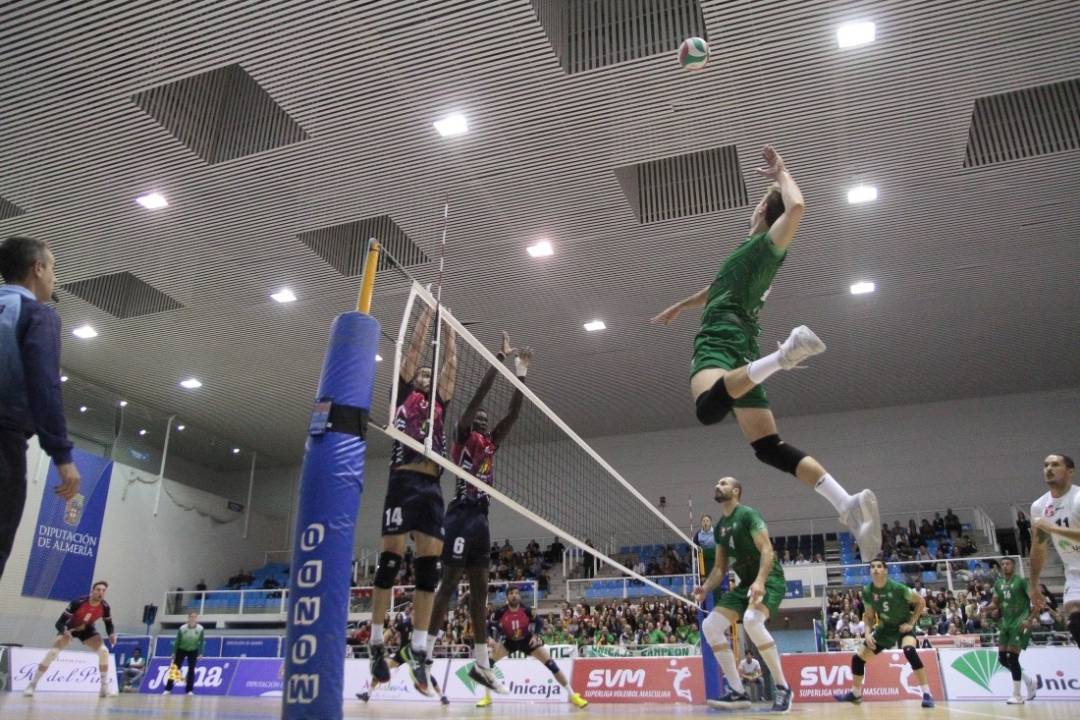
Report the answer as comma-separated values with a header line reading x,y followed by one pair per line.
x,y
412,418
515,624
81,615
477,456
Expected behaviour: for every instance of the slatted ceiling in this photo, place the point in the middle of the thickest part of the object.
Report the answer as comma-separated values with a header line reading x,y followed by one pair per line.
x,y
1023,123
344,246
9,209
684,185
541,161
122,295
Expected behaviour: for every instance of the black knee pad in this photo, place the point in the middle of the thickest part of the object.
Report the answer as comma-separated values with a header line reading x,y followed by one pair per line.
x,y
858,666
427,573
913,659
1074,627
387,571
552,666
771,450
714,405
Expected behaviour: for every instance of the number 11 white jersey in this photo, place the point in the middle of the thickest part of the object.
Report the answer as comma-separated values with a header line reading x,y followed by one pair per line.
x,y
1063,512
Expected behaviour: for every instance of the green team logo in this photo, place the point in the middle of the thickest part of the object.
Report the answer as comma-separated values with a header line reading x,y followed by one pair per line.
x,y
979,666
463,676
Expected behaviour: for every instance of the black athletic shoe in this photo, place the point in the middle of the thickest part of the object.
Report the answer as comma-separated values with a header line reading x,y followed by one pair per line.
x,y
380,671
416,662
781,699
363,696
731,701
848,697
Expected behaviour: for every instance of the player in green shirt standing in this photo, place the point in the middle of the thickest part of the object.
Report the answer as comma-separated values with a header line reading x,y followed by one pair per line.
x,y
189,644
891,613
727,370
1012,602
742,545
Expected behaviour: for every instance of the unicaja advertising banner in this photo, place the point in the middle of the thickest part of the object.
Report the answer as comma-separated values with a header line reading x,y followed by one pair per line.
x,y
640,680
71,671
815,677
976,674
213,676
65,544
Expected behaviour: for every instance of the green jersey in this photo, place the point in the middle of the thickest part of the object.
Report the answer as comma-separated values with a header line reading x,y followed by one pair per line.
x,y
735,534
743,283
1012,598
190,638
891,604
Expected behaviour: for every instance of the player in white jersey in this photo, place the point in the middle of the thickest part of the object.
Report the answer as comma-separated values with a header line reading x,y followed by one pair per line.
x,y
1056,520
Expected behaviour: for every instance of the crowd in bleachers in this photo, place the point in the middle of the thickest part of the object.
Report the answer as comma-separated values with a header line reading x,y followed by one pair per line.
x,y
620,623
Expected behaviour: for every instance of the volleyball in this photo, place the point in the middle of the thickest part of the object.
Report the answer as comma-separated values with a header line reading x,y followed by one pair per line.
x,y
694,53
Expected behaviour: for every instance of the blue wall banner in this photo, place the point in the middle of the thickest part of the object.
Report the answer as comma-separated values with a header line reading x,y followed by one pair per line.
x,y
67,533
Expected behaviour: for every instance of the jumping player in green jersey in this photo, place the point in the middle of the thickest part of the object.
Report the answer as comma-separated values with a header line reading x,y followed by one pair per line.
x,y
1014,631
728,369
891,611
742,545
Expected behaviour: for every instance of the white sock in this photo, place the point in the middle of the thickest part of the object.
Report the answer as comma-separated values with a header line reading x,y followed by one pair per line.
x,y
419,640
856,691
772,659
831,491
431,640
480,654
1016,688
569,688
759,370
925,689
376,634
726,658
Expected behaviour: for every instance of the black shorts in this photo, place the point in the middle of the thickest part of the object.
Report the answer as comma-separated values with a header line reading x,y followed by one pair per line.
x,y
468,537
525,645
413,503
85,634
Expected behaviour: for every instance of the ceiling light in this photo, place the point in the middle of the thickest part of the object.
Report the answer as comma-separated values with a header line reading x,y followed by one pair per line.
x,y
190,384
540,249
378,357
123,403
236,451
861,288
63,378
595,325
152,201
451,125
854,34
284,295
85,332
82,408
142,432
862,194
181,427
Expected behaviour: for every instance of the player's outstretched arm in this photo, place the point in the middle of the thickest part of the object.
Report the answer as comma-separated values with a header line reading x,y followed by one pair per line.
x,y
410,361
521,367
448,375
694,301
465,421
782,232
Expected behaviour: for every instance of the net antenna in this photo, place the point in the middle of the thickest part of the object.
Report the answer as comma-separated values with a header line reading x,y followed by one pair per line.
x,y
593,473
433,399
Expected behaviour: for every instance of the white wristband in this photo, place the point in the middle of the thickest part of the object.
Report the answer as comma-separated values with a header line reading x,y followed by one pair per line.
x,y
519,367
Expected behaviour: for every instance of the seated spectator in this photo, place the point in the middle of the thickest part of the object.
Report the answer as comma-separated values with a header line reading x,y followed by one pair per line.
x,y
134,669
939,526
750,672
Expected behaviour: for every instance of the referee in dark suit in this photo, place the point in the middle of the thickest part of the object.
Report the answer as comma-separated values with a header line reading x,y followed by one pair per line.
x,y
30,399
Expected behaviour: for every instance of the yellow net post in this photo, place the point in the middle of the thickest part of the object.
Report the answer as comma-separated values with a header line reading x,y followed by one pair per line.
x,y
367,285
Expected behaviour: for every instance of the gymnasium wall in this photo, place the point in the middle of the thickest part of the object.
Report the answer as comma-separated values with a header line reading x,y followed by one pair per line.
x,y
193,536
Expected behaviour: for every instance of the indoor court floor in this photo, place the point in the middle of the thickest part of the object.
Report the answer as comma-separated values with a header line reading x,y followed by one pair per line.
x,y
84,707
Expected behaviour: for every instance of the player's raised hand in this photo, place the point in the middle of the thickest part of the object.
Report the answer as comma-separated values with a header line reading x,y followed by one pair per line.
x,y
522,359
774,164
698,594
507,350
668,315
1037,600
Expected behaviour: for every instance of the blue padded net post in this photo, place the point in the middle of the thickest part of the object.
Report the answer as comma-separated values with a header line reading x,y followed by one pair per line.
x,y
330,489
